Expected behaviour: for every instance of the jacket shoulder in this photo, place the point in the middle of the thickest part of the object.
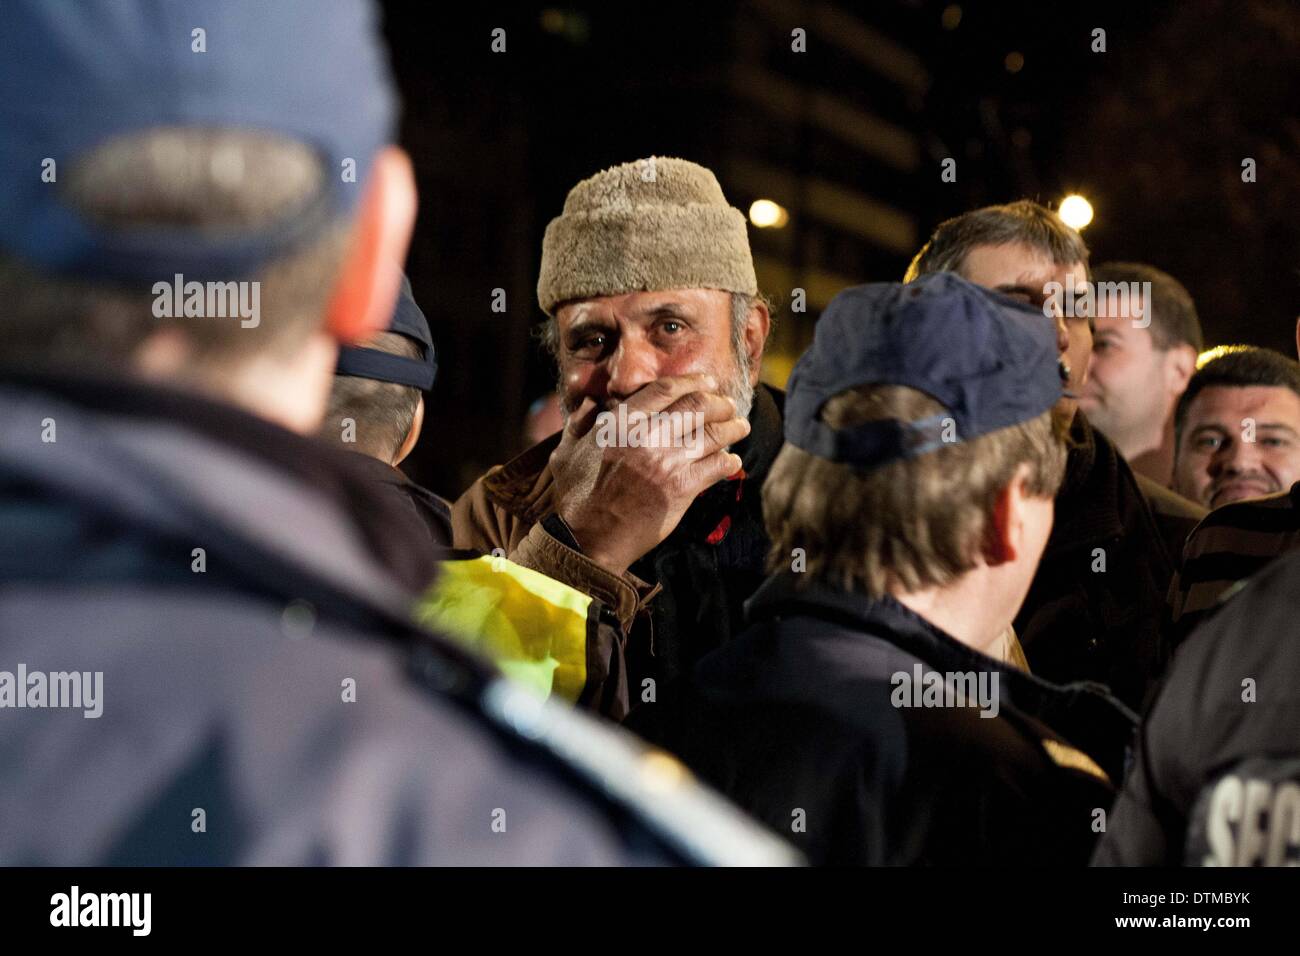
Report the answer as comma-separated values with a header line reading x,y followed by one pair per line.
x,y
1164,501
497,510
525,475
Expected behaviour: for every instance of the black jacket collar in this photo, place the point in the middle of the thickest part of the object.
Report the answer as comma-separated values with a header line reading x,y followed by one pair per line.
x,y
1087,505
884,617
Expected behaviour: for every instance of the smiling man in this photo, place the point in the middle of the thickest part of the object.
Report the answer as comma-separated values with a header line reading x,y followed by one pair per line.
x,y
1238,427
653,307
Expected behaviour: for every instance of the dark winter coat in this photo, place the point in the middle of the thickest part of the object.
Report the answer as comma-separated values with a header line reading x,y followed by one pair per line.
x,y
798,721
1096,609
262,695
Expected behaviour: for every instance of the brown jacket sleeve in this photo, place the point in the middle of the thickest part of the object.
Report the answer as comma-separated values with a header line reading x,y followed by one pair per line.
x,y
477,522
480,524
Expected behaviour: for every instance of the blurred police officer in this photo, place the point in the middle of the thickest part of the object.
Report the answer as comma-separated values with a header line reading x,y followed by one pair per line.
x,y
862,713
199,204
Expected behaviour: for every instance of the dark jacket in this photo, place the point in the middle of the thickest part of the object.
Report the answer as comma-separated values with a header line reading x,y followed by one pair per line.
x,y
421,506
1217,775
1230,544
796,720
1175,516
263,696
681,600
1080,622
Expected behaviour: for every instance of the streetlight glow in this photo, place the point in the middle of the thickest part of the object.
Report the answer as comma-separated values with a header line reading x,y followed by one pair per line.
x,y
766,214
1076,211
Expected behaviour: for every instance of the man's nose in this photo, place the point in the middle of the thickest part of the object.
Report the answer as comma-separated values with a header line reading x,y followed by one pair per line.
x,y
1062,335
1237,458
631,366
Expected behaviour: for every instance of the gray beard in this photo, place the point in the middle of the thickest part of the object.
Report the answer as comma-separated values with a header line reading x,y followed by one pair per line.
x,y
741,391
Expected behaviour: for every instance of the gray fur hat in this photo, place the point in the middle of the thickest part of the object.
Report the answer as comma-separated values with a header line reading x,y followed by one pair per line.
x,y
657,223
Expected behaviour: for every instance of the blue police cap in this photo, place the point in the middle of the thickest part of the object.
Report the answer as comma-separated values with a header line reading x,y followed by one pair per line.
x,y
989,360
408,319
76,74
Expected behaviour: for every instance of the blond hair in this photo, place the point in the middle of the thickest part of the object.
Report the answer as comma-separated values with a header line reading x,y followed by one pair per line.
x,y
913,523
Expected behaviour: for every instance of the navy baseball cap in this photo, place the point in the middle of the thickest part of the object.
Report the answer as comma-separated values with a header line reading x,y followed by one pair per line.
x,y
408,319
989,360
76,74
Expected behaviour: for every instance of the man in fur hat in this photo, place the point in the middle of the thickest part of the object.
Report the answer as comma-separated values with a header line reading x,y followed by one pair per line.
x,y
655,319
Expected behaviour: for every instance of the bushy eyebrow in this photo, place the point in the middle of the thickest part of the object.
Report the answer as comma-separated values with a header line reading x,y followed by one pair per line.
x,y
586,322
665,310
1259,426
668,310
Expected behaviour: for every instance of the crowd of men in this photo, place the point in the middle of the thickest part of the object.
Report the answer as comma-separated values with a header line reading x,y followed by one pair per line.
x,y
993,579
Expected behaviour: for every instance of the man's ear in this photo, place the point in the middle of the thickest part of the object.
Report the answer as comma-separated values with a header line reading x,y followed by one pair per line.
x,y
1297,337
371,273
1180,365
412,436
757,325
1005,534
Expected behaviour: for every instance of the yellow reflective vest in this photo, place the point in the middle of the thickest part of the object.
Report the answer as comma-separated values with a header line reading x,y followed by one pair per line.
x,y
536,629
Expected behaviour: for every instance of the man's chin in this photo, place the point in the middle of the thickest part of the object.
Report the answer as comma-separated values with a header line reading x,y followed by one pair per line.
x,y
1065,408
1090,405
1240,491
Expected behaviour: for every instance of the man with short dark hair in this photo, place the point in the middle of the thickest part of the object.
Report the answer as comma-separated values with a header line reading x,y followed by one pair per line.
x,y
1096,605
863,713
1238,427
1143,353
214,225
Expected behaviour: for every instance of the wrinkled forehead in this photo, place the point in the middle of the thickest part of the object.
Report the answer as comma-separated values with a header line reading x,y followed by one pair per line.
x,y
634,306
